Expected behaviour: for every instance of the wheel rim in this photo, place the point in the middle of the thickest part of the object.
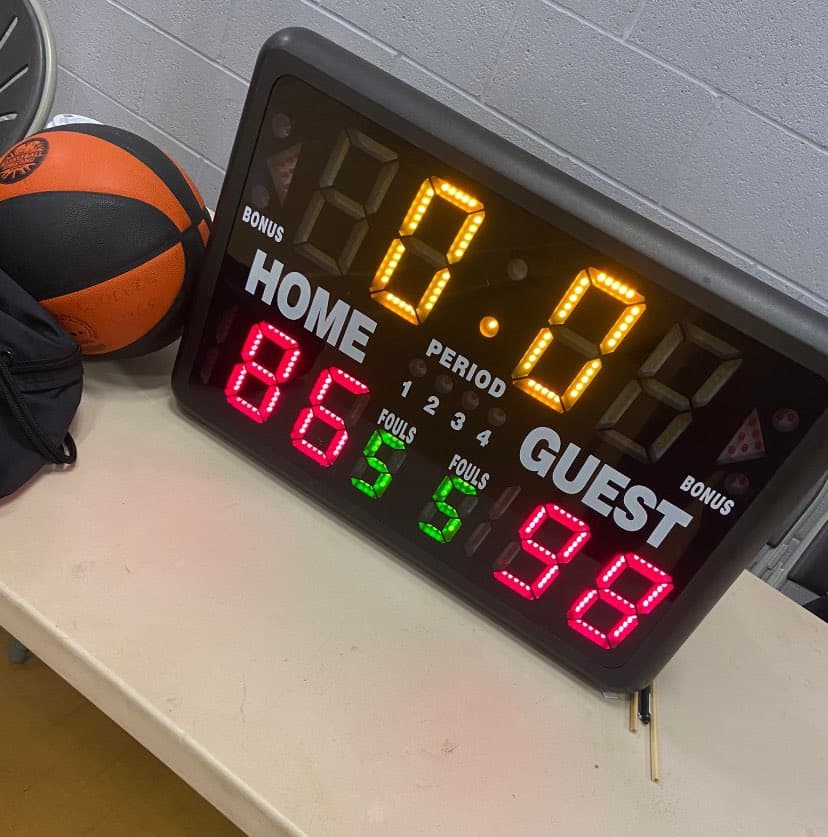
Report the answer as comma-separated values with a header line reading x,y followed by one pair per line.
x,y
27,71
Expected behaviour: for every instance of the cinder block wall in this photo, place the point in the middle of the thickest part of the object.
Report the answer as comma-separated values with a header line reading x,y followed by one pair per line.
x,y
710,116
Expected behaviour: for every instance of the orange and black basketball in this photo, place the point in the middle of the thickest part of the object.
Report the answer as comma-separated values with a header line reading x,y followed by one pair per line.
x,y
106,231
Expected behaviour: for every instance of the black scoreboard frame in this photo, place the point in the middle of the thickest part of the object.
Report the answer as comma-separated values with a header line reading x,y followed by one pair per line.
x,y
683,268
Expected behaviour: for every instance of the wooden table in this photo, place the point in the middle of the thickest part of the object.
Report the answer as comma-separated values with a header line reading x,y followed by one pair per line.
x,y
302,680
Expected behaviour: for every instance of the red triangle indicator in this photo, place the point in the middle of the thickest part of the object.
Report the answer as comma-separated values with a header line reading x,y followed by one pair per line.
x,y
747,442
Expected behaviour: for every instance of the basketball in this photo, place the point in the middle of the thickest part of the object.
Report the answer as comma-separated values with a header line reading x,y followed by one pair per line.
x,y
105,231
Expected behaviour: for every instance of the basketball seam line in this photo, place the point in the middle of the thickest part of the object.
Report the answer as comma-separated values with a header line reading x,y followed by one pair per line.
x,y
171,234
168,328
153,254
167,171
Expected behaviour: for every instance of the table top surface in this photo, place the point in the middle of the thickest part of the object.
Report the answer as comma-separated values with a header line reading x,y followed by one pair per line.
x,y
218,617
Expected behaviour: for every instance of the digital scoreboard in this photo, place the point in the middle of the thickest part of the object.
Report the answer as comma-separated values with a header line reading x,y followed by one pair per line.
x,y
574,419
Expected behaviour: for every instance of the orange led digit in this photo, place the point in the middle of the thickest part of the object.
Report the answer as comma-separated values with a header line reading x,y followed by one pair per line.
x,y
429,189
634,308
328,195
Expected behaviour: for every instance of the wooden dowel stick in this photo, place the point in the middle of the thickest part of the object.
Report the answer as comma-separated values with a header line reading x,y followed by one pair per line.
x,y
654,766
634,712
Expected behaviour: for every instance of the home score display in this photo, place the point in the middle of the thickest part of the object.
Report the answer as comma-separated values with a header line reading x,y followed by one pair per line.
x,y
559,437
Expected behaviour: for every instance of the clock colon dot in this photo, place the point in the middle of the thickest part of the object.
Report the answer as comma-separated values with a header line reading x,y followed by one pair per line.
x,y
489,326
517,270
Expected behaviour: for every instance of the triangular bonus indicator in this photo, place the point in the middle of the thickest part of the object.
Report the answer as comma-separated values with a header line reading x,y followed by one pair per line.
x,y
282,166
747,442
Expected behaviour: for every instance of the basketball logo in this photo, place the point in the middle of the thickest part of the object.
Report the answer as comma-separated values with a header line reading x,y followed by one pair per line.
x,y
22,160
81,332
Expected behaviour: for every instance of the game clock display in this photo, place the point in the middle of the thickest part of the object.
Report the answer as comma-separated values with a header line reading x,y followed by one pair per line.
x,y
576,420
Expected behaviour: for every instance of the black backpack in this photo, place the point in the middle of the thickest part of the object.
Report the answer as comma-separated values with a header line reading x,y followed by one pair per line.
x,y
41,379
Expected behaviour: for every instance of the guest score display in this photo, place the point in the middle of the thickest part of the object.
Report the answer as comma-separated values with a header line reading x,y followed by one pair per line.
x,y
500,393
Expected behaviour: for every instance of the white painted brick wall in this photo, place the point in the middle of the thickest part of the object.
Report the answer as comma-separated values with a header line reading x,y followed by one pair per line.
x,y
710,116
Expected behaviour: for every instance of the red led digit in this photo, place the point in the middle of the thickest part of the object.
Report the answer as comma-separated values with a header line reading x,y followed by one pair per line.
x,y
250,366
619,631
661,585
317,411
550,560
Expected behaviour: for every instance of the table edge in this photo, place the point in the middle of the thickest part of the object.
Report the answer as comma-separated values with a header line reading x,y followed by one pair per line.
x,y
142,720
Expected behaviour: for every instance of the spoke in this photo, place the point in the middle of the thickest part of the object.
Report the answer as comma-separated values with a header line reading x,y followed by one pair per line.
x,y
12,79
7,34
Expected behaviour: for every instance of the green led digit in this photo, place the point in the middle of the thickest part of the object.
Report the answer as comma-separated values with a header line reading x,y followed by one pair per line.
x,y
384,473
453,523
